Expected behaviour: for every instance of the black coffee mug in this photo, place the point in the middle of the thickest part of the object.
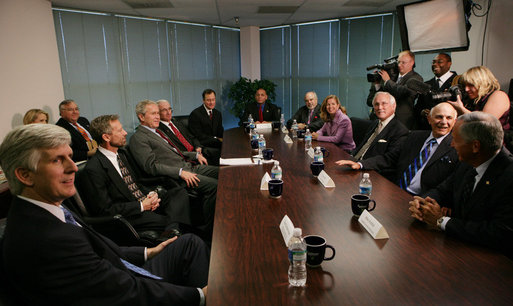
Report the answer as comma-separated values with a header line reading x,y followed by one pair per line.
x,y
316,168
275,188
254,144
276,125
268,153
325,152
359,202
301,133
316,250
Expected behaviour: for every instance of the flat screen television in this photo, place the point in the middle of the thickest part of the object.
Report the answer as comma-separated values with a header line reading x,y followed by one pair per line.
x,y
433,26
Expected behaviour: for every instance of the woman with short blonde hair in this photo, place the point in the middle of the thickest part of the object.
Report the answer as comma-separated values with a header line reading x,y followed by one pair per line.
x,y
35,115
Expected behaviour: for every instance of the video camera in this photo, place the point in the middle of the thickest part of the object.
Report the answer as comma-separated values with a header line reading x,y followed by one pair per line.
x,y
436,96
390,66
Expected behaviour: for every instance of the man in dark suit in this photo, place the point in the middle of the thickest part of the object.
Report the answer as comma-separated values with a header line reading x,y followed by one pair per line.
x,y
261,110
475,202
423,160
112,186
405,97
441,82
308,115
51,257
82,143
206,122
159,155
385,134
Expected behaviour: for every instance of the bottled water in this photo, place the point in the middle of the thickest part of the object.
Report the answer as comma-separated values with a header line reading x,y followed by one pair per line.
x,y
282,121
253,139
261,144
276,172
297,259
365,185
308,140
318,157
251,122
294,128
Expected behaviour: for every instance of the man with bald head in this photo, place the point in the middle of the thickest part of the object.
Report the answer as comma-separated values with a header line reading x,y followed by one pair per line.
x,y
308,115
423,160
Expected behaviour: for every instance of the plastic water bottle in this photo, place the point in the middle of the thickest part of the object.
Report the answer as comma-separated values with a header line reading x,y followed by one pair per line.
x,y
261,144
297,259
308,140
365,185
251,122
282,121
294,128
276,172
318,157
253,139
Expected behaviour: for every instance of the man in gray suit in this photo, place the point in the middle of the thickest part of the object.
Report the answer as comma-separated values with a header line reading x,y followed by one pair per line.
x,y
158,155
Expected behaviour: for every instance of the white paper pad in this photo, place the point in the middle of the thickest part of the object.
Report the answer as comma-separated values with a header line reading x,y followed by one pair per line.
x,y
326,180
286,228
287,139
264,182
372,225
235,161
264,126
310,152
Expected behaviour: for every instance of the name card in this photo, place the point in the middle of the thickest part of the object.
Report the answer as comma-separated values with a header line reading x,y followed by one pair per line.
x,y
287,139
284,130
264,182
264,126
287,229
375,229
310,152
326,180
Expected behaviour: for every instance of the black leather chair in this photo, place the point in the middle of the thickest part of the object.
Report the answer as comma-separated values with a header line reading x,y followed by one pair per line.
x,y
360,127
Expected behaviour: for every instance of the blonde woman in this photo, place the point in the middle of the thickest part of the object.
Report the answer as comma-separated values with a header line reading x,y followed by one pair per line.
x,y
337,125
485,95
35,115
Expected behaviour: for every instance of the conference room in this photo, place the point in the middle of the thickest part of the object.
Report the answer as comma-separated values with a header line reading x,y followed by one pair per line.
x,y
108,58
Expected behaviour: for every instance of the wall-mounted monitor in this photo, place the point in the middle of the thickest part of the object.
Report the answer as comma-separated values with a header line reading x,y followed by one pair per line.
x,y
433,26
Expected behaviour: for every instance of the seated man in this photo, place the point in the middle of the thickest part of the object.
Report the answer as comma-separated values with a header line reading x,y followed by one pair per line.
x,y
51,257
261,110
385,134
157,154
113,189
308,115
475,202
206,122
82,143
423,160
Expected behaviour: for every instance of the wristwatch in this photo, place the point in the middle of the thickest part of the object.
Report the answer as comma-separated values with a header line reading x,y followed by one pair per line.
x,y
439,222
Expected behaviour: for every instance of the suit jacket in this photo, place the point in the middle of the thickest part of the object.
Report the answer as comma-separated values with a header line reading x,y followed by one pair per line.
x,y
156,156
405,97
487,217
389,139
50,262
440,166
207,131
78,143
271,112
184,131
302,114
339,131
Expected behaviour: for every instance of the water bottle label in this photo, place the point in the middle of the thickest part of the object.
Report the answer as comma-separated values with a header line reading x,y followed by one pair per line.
x,y
365,190
276,175
308,138
255,136
318,158
297,255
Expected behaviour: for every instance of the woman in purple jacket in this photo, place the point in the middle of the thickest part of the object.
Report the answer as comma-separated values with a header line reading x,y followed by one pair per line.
x,y
337,125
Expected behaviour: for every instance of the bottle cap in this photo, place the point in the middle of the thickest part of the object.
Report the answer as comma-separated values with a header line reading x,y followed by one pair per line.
x,y
366,175
276,163
307,130
297,232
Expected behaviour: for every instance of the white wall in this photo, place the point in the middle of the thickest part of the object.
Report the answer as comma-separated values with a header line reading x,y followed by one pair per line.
x,y
250,52
30,75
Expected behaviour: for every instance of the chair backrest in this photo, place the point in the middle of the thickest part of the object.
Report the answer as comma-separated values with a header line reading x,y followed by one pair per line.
x,y
360,127
183,120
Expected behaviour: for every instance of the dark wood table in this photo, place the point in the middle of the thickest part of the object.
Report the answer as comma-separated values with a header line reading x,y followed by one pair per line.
x,y
416,265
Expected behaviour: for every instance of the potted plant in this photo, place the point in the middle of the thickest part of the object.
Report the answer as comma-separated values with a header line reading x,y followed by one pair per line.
x,y
243,92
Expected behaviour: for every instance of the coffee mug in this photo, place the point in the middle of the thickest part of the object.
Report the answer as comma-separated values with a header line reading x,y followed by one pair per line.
x,y
325,152
268,153
254,144
301,133
359,202
316,168
276,125
275,188
316,250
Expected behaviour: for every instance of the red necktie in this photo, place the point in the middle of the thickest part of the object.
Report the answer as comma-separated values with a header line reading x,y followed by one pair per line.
x,y
82,131
210,114
182,139
260,113
170,142
310,116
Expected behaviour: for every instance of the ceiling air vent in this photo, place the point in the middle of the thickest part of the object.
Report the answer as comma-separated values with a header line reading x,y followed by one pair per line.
x,y
148,4
277,9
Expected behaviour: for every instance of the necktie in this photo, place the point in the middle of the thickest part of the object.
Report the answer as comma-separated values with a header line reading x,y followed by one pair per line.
x,y
366,146
310,116
182,139
129,181
399,79
82,131
437,83
69,219
468,186
261,113
416,165
170,143
210,114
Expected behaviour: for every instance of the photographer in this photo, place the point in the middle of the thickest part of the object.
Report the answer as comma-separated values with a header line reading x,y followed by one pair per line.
x,y
404,96
441,82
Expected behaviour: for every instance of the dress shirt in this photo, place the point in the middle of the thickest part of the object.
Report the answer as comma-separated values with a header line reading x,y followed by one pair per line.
x,y
83,128
381,126
443,78
414,186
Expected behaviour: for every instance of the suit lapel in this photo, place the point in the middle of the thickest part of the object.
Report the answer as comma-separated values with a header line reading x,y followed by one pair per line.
x,y
442,149
113,174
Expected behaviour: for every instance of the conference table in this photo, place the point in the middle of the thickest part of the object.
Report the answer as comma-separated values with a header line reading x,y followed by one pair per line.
x,y
415,265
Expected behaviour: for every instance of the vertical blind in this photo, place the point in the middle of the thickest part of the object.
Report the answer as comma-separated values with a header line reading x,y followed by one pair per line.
x,y
110,63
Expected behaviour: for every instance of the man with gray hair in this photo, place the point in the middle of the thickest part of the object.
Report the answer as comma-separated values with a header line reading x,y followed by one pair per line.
x,y
385,134
309,114
475,203
50,257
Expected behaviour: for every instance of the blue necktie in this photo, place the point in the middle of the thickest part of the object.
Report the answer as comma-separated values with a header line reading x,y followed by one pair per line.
x,y
416,165
69,219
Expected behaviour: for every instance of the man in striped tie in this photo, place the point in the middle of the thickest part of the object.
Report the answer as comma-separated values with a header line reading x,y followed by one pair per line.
x,y
424,159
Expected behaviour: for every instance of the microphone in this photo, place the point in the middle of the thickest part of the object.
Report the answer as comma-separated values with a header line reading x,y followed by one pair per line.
x,y
418,86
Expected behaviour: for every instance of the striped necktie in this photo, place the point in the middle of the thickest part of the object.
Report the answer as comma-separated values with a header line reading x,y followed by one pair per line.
x,y
82,131
129,181
416,165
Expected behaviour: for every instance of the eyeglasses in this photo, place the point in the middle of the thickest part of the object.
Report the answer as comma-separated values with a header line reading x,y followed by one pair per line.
x,y
72,109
